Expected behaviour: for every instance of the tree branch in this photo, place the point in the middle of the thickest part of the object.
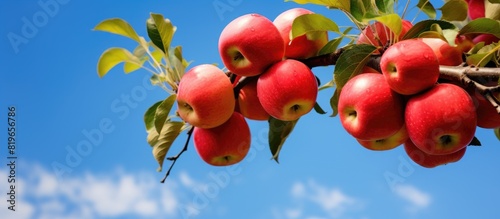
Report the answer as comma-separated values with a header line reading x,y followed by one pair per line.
x,y
466,76
323,60
174,158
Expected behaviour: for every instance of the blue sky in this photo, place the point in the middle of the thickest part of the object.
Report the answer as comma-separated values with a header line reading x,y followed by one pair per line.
x,y
51,79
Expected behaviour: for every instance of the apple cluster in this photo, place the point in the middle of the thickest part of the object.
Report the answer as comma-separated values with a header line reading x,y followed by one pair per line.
x,y
405,104
259,51
476,9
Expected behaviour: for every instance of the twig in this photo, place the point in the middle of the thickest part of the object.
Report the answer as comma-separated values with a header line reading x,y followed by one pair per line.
x,y
465,74
323,60
174,158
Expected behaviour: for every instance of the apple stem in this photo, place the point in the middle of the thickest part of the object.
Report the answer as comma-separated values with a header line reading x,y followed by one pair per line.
x,y
174,158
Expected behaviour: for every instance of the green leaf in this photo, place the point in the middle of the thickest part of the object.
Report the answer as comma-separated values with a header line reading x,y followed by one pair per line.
x,y
329,84
168,134
475,142
385,6
162,112
334,102
118,26
140,53
312,23
426,25
497,133
363,10
333,44
149,116
160,31
350,63
318,109
454,10
391,21
357,10
152,138
483,55
492,10
427,8
278,133
432,34
338,4
481,25
112,57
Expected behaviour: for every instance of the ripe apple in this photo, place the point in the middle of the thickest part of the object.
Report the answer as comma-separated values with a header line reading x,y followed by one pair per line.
x,y
428,160
379,35
441,120
205,97
223,145
487,115
287,90
386,143
367,69
486,38
368,109
248,102
249,44
301,47
410,66
445,53
476,9
464,43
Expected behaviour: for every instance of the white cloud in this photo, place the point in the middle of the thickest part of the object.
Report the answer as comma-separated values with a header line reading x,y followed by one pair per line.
x,y
418,200
91,195
333,202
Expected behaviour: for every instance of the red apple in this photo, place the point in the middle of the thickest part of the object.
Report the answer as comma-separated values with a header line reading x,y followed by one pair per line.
x,y
379,35
441,120
410,66
205,97
486,38
445,53
287,90
428,160
223,145
476,9
386,143
301,47
487,115
369,109
464,43
367,69
249,44
249,104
